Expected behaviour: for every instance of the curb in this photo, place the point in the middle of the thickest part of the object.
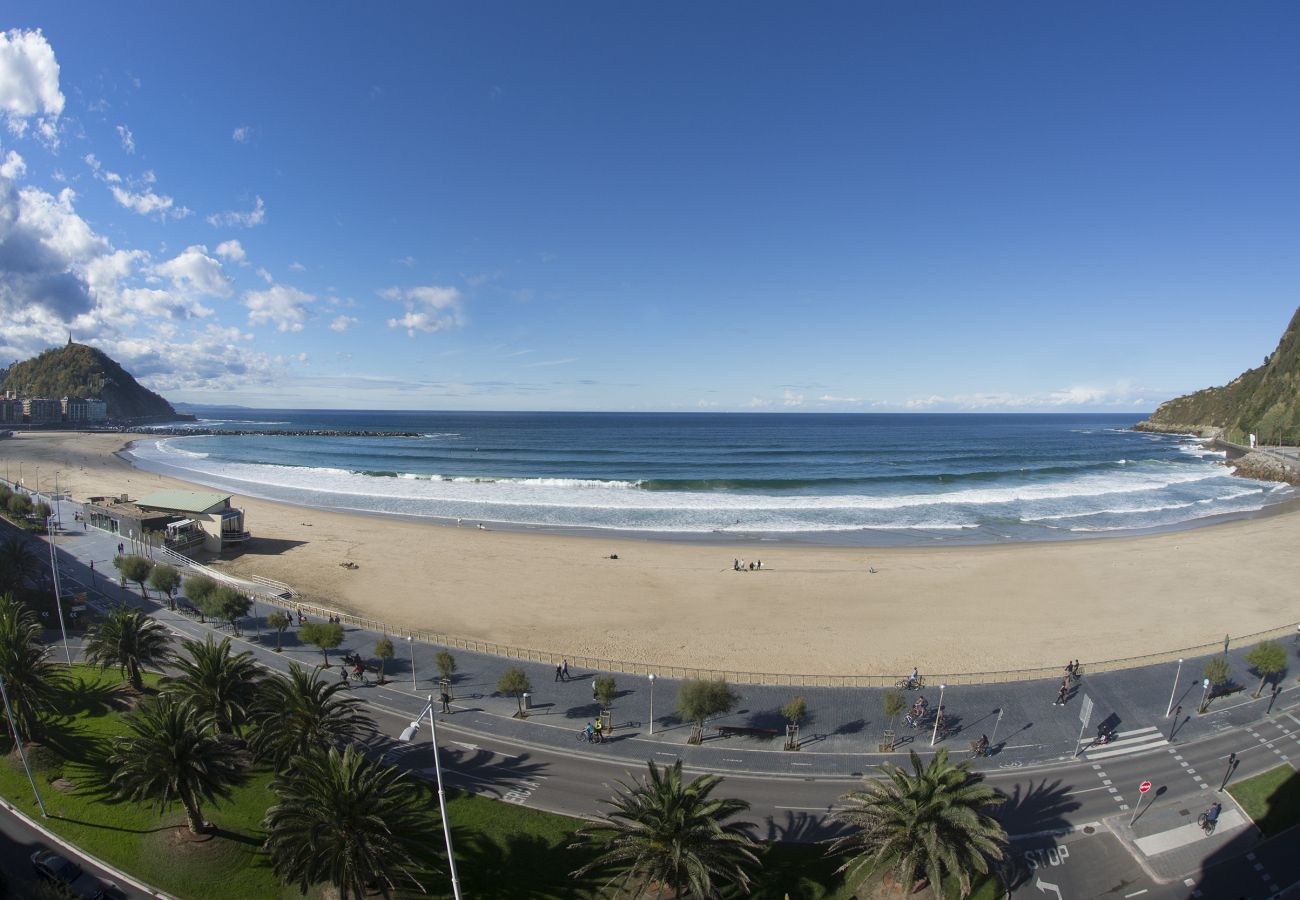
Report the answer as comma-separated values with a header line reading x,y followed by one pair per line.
x,y
115,872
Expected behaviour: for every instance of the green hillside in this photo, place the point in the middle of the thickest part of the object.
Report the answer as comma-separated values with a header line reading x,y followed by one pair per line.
x,y
1264,401
76,370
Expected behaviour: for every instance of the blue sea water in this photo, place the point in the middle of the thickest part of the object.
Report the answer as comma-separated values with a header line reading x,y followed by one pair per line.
x,y
843,478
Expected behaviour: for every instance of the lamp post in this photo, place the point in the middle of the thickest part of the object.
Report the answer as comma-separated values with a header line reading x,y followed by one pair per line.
x,y
1170,708
58,592
408,734
937,713
18,743
1205,697
652,702
410,642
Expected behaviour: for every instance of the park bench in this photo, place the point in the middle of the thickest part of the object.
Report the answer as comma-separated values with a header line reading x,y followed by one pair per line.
x,y
729,730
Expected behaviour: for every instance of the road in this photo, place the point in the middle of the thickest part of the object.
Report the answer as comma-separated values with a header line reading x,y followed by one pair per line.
x,y
18,841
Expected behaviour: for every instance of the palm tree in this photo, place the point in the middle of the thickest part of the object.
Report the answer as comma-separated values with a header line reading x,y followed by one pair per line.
x,y
172,754
129,640
927,824
346,820
31,677
18,563
664,833
216,682
299,713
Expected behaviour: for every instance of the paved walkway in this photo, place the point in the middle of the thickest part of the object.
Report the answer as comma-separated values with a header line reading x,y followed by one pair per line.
x,y
841,736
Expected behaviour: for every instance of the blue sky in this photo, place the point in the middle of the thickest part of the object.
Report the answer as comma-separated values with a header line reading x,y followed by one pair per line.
x,y
729,206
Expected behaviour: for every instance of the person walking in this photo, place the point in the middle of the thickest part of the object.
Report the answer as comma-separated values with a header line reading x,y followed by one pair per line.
x,y
1078,671
565,672
559,671
1061,694
446,701
600,731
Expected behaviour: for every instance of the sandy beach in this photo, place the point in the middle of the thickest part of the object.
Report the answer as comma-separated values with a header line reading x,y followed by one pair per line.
x,y
811,610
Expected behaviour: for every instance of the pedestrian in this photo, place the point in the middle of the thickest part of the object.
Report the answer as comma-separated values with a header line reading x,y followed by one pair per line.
x,y
92,565
600,731
558,672
1069,669
566,671
1060,696
593,689
446,700
343,674
1078,670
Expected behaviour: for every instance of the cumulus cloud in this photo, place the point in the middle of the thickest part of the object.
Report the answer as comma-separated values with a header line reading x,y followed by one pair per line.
x,y
297,267
1122,393
232,251
44,246
285,307
13,166
429,308
147,203
232,218
29,84
342,323
241,134
195,272
127,138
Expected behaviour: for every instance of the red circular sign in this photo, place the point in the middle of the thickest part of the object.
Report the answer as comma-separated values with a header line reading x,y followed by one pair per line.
x,y
1144,786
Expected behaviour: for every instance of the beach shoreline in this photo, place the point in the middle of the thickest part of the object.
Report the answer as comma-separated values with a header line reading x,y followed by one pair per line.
x,y
813,609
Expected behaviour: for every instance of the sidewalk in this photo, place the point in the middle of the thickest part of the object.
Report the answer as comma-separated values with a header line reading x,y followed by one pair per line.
x,y
840,737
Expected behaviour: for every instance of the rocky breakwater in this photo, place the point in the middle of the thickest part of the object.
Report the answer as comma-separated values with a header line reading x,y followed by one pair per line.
x,y
1266,466
1201,431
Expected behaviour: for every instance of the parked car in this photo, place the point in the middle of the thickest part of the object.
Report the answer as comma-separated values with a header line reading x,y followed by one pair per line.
x,y
67,874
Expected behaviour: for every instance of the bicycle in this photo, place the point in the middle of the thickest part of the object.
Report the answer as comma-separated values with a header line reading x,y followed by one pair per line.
x,y
584,738
1207,824
909,684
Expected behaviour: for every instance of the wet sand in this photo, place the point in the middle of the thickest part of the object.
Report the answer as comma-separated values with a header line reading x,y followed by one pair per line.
x,y
811,610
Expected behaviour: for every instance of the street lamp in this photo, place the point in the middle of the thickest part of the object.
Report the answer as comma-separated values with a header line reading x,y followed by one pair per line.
x,y
58,592
18,742
652,702
937,713
1169,709
408,734
411,642
1205,697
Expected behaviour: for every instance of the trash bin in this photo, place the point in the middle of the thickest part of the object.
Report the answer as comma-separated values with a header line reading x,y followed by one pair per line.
x,y
528,700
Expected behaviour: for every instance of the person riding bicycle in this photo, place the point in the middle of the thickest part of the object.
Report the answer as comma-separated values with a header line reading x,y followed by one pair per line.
x,y
1212,814
915,679
982,746
591,733
359,669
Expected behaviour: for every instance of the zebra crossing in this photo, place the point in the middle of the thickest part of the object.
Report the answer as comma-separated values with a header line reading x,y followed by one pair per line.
x,y
1126,742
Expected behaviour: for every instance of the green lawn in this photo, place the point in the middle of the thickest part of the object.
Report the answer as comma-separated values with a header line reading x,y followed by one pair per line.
x,y
503,850
1272,799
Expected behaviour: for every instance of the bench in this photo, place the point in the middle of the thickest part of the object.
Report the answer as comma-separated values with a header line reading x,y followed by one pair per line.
x,y
729,730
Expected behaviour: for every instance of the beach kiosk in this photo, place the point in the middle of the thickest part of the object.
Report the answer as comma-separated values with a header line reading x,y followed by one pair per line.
x,y
183,519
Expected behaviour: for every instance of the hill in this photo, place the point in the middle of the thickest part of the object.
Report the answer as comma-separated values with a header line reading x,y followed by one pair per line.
x,y
77,370
1264,401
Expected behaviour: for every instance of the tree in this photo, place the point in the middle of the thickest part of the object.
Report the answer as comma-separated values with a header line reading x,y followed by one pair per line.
x,y
445,663
1218,671
894,703
515,682
172,755
793,712
662,833
199,588
130,640
928,824
18,563
384,650
300,713
606,691
346,820
1267,658
220,684
41,511
700,699
31,677
279,620
229,604
134,568
166,580
325,635
20,505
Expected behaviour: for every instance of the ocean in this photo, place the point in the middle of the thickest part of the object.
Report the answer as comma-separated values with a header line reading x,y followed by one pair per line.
x,y
863,479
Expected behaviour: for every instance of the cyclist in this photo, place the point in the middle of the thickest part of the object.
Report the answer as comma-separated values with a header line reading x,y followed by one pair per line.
x,y
1212,815
591,734
915,680
982,746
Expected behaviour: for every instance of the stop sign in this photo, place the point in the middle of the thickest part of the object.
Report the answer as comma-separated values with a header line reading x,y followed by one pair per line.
x,y
1144,786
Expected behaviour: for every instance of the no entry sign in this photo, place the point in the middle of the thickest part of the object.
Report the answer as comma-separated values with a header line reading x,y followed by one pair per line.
x,y
1144,786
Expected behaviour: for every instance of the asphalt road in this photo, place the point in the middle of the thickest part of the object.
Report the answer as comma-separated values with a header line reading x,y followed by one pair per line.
x,y
18,841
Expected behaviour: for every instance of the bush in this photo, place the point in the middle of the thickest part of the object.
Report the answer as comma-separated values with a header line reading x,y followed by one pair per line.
x,y
515,682
605,690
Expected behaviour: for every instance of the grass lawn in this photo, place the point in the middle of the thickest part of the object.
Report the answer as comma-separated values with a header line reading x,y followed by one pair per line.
x,y
503,850
1272,799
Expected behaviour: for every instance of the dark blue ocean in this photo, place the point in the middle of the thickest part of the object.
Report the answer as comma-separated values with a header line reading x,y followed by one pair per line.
x,y
839,478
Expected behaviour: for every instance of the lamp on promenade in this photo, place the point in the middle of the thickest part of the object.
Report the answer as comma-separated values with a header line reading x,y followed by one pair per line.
x,y
18,743
1169,709
58,592
652,702
937,713
408,734
411,643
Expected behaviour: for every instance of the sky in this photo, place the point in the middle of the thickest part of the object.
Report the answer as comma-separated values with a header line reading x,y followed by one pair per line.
x,y
724,206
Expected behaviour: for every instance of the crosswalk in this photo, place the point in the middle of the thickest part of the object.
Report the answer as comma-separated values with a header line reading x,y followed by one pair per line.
x,y
1126,742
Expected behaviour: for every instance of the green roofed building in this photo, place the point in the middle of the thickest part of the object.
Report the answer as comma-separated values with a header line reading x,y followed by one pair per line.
x,y
176,519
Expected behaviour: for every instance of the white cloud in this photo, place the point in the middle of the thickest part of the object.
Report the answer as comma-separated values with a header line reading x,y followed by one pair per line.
x,y
1121,393
128,139
253,217
29,84
193,271
286,307
44,246
147,203
550,362
242,133
429,308
297,267
232,251
13,166
342,323
828,398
